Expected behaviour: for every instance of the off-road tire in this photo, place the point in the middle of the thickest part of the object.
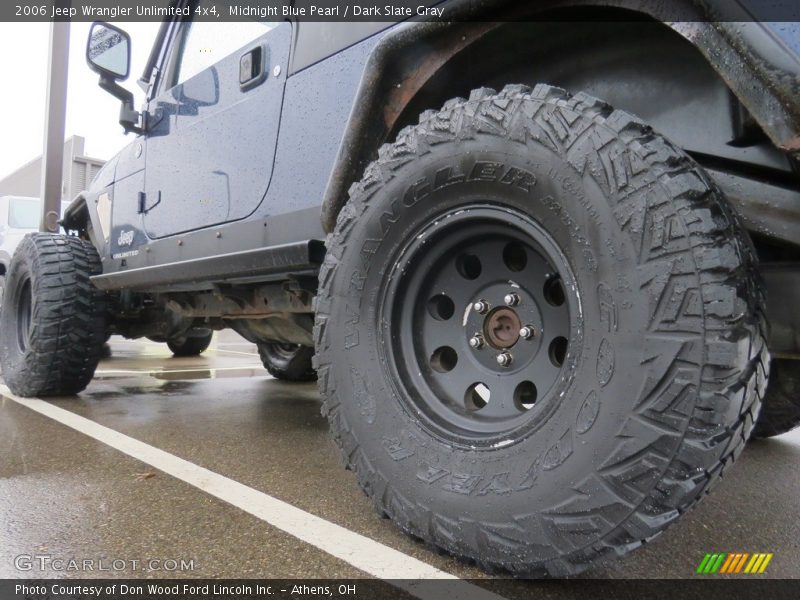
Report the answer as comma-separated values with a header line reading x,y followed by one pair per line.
x,y
58,354
191,345
286,363
780,411
671,364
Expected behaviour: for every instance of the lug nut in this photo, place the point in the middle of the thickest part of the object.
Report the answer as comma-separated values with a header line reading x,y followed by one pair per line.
x,y
481,307
511,299
527,332
504,359
476,342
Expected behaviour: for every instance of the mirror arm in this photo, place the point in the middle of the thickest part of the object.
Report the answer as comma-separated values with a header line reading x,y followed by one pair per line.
x,y
128,115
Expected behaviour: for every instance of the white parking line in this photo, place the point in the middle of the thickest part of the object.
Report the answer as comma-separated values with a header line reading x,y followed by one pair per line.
x,y
193,370
235,352
363,553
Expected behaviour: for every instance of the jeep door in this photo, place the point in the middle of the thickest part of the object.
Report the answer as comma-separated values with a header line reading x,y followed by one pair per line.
x,y
213,125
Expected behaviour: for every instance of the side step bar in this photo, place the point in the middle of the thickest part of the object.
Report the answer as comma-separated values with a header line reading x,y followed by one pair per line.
x,y
295,258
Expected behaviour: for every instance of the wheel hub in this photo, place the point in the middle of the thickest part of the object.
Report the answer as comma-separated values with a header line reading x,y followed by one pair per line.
x,y
501,327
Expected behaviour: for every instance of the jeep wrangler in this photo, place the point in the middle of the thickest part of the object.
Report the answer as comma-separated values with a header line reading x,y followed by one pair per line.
x,y
537,317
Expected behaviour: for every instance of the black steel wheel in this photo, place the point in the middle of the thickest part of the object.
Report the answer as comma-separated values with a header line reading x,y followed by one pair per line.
x,y
538,331
288,362
478,318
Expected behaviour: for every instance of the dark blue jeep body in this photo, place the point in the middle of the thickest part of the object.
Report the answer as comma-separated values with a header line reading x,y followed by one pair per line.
x,y
237,182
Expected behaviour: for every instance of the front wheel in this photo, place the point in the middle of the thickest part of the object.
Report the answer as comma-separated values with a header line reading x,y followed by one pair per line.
x,y
53,319
537,333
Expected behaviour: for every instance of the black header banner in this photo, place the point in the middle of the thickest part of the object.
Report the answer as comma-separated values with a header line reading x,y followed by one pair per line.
x,y
399,10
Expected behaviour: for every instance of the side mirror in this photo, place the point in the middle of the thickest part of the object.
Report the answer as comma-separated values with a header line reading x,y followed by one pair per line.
x,y
108,51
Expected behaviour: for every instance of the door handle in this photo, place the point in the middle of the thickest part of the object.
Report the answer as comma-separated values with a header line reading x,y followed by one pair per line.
x,y
253,67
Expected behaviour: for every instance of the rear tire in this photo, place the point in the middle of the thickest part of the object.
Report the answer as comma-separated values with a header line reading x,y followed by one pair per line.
x,y
288,362
193,344
53,319
654,384
780,411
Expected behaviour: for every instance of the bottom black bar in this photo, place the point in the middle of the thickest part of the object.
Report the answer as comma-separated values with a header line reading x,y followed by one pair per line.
x,y
374,589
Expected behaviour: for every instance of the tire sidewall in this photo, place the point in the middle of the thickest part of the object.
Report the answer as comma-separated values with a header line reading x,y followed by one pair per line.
x,y
21,269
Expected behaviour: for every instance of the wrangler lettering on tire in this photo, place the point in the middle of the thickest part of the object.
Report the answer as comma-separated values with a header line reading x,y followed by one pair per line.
x,y
538,331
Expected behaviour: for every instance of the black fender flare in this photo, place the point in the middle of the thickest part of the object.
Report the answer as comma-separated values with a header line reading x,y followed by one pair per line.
x,y
83,216
758,69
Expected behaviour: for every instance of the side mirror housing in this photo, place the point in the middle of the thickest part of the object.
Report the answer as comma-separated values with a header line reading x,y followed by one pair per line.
x,y
108,53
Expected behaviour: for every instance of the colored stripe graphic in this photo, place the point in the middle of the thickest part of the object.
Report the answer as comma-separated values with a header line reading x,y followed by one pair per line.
x,y
703,563
765,563
734,563
718,564
741,562
750,564
754,563
737,556
727,564
710,563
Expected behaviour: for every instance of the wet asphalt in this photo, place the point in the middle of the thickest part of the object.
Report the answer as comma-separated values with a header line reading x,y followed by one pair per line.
x,y
65,495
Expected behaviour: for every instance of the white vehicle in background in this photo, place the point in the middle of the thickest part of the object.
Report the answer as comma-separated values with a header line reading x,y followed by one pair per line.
x,y
18,215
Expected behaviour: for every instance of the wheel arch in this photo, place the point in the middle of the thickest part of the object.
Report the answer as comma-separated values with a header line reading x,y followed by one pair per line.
x,y
408,65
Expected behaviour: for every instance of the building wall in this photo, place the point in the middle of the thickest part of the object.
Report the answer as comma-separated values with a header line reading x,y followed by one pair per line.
x,y
78,171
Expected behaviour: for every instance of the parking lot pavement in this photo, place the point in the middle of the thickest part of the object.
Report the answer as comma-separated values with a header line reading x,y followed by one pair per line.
x,y
65,494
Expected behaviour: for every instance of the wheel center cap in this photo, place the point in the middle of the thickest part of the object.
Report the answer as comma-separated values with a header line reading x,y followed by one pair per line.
x,y
501,327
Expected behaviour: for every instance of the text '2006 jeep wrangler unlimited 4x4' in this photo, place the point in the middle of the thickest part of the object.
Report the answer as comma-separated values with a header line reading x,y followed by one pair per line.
x,y
538,322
